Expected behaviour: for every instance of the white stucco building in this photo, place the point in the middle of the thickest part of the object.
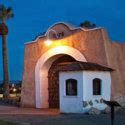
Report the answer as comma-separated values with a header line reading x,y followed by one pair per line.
x,y
82,86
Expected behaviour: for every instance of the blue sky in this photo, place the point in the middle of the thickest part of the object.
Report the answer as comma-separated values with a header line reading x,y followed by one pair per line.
x,y
34,16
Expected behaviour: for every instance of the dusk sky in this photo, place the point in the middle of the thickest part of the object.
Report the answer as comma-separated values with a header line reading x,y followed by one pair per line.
x,y
35,16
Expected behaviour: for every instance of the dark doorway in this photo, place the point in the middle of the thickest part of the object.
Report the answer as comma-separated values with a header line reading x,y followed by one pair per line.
x,y
53,80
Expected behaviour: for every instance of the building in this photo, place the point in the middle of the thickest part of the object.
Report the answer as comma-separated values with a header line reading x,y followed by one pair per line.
x,y
64,64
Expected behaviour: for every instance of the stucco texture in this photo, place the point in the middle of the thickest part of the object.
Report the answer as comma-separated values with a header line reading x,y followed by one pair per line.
x,y
93,44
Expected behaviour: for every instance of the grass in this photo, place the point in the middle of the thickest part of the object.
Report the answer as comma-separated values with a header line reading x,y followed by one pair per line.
x,y
12,123
7,123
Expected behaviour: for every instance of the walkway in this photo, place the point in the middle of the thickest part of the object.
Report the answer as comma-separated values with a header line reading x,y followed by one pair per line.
x,y
11,110
30,116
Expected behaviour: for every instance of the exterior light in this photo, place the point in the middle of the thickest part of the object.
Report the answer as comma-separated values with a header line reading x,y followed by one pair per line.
x,y
14,89
48,42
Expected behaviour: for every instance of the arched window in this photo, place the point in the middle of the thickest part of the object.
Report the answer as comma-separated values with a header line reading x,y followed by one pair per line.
x,y
97,86
71,87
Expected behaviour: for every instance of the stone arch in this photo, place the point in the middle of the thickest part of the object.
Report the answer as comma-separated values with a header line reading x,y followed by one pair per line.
x,y
42,67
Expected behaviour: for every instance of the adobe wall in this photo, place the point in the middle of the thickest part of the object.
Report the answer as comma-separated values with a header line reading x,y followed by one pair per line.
x,y
117,59
115,52
93,44
28,81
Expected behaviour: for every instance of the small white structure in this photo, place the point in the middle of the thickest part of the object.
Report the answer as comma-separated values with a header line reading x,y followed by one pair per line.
x,y
83,85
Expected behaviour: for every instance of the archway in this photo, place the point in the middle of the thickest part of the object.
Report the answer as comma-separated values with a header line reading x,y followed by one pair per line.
x,y
53,80
42,67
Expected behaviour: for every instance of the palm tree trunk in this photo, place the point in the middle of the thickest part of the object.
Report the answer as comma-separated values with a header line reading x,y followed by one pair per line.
x,y
5,69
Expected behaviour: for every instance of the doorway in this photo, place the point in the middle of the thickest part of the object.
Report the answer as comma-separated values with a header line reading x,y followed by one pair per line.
x,y
53,80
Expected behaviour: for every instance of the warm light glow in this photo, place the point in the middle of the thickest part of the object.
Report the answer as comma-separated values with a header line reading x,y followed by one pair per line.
x,y
48,42
59,49
14,89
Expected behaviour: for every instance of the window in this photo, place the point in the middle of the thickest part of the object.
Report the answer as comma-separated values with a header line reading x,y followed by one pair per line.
x,y
71,87
96,86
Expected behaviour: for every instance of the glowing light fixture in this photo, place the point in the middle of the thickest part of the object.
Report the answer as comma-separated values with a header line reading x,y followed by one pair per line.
x,y
14,89
48,42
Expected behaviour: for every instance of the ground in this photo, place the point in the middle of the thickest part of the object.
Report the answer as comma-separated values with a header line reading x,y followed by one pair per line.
x,y
30,116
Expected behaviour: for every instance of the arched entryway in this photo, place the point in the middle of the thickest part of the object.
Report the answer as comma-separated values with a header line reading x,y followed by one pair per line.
x,y
53,80
42,67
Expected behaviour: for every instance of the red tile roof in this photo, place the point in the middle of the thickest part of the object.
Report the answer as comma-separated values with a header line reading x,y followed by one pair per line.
x,y
78,66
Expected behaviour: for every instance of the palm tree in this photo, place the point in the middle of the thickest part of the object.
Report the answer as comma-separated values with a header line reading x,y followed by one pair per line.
x,y
5,13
